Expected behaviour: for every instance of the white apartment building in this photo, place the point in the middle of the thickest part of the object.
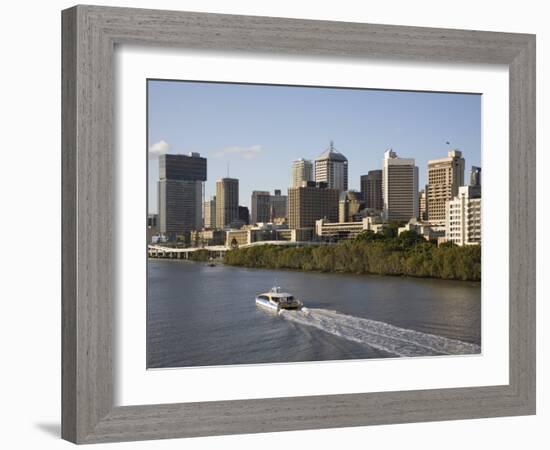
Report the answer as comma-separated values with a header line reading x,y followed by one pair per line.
x,y
463,217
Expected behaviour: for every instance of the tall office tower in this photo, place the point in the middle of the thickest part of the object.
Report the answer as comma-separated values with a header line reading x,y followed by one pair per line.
x,y
422,205
475,176
463,217
399,187
210,213
227,201
445,176
302,171
244,215
310,202
331,167
260,207
371,189
278,206
180,188
350,204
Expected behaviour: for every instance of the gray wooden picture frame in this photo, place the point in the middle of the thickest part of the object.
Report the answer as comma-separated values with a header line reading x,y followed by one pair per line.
x,y
90,34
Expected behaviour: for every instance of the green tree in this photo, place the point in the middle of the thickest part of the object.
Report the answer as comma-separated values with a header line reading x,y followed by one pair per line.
x,y
407,254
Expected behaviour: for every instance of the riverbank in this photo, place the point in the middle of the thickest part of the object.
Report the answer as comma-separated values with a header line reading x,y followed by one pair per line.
x,y
393,257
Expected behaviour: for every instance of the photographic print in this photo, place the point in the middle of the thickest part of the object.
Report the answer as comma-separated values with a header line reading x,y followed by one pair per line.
x,y
294,224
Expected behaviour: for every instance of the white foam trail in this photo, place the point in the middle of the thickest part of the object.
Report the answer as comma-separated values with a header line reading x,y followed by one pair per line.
x,y
380,335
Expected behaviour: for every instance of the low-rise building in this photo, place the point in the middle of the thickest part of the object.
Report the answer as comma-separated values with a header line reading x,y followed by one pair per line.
x,y
248,234
425,229
336,231
378,227
295,234
281,221
207,237
238,238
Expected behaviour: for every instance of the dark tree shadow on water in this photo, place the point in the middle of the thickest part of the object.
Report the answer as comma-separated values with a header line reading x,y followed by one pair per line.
x,y
53,429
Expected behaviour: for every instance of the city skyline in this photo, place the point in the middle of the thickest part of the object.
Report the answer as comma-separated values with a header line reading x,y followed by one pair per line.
x,y
320,180
250,127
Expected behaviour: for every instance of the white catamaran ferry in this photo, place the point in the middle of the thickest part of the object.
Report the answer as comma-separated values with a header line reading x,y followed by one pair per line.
x,y
276,300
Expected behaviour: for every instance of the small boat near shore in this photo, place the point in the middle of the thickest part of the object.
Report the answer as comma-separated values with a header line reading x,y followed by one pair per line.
x,y
276,300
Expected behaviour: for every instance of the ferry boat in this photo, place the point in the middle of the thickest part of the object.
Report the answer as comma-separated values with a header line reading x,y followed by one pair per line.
x,y
276,300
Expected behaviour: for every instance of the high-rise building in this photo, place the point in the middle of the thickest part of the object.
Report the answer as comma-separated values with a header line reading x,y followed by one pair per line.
x,y
310,202
475,176
191,167
227,201
422,205
371,190
302,171
399,187
210,213
260,207
244,215
278,206
350,204
463,217
180,189
445,176
331,167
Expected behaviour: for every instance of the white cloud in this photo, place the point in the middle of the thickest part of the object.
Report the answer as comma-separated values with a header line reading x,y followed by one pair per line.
x,y
159,148
244,152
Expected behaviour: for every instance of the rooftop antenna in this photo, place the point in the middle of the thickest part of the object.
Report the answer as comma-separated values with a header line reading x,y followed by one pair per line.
x,y
331,145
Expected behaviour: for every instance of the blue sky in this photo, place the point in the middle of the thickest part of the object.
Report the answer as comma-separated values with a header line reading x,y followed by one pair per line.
x,y
259,130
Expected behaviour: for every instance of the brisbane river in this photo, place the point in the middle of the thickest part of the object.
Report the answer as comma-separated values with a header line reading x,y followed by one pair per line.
x,y
203,316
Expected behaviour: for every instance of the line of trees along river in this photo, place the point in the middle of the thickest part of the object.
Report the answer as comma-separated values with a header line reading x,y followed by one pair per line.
x,y
407,254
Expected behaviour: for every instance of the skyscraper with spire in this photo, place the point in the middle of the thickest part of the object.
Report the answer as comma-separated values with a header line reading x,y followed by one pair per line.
x,y
331,167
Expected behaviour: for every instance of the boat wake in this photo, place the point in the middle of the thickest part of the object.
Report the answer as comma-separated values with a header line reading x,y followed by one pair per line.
x,y
380,335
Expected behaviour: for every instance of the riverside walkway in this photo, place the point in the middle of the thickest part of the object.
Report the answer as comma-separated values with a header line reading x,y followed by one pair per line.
x,y
215,251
